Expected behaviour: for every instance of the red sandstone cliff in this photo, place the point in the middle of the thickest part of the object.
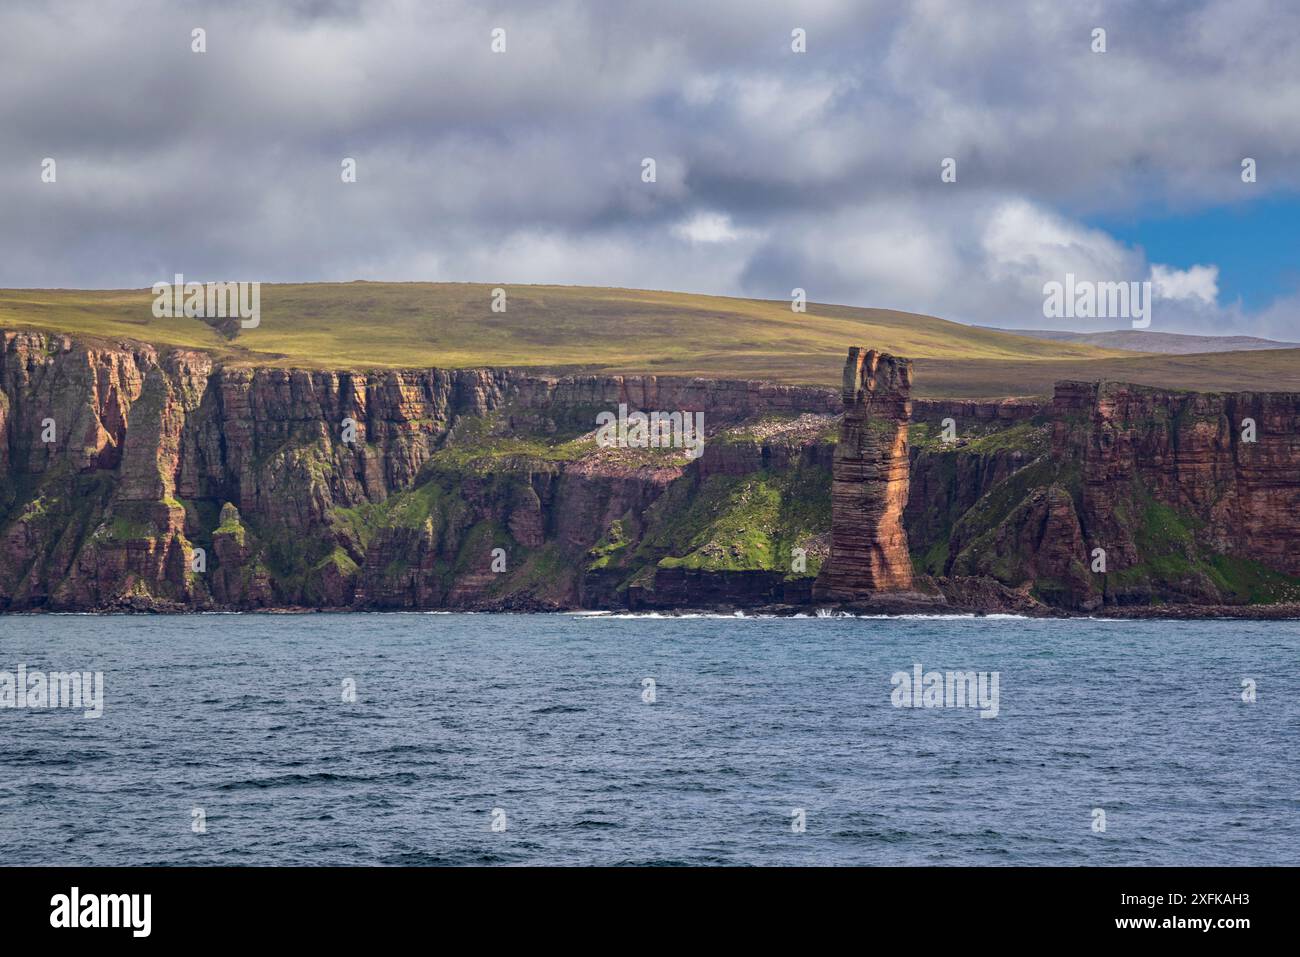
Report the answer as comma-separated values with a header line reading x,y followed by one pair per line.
x,y
157,455
1134,496
1226,465
168,482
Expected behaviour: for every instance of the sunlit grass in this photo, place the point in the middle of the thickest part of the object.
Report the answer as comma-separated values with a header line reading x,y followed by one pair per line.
x,y
568,328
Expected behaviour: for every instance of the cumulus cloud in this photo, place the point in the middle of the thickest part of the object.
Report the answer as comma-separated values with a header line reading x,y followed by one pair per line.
x,y
707,228
1199,283
775,169
1031,245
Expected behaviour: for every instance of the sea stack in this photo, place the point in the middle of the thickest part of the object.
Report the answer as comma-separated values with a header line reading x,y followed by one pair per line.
x,y
869,481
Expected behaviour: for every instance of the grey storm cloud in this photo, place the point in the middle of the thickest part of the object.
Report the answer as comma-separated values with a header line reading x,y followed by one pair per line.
x,y
775,169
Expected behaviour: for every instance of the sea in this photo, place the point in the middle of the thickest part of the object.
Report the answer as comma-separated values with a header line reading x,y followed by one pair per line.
x,y
580,739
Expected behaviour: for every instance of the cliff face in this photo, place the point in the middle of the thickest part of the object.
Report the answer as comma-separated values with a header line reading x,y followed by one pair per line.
x,y
75,480
134,478
1121,495
870,481
1216,472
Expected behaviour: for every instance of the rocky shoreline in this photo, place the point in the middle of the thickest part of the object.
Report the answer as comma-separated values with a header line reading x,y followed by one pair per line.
x,y
890,609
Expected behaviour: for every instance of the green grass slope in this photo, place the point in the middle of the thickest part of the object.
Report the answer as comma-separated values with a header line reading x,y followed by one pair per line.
x,y
569,329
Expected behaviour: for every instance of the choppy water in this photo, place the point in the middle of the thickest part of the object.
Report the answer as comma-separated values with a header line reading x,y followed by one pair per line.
x,y
542,716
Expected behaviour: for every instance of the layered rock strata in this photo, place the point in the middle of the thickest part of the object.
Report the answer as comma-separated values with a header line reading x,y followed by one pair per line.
x,y
141,478
869,486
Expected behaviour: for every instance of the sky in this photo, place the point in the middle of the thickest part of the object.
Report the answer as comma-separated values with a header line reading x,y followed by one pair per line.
x,y
774,169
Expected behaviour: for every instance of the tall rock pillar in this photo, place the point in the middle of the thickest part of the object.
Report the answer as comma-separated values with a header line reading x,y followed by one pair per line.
x,y
869,481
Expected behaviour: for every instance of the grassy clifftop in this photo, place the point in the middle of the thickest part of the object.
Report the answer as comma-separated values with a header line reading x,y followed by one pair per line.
x,y
570,329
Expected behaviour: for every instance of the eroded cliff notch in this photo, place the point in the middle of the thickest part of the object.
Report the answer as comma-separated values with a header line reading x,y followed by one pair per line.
x,y
870,481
